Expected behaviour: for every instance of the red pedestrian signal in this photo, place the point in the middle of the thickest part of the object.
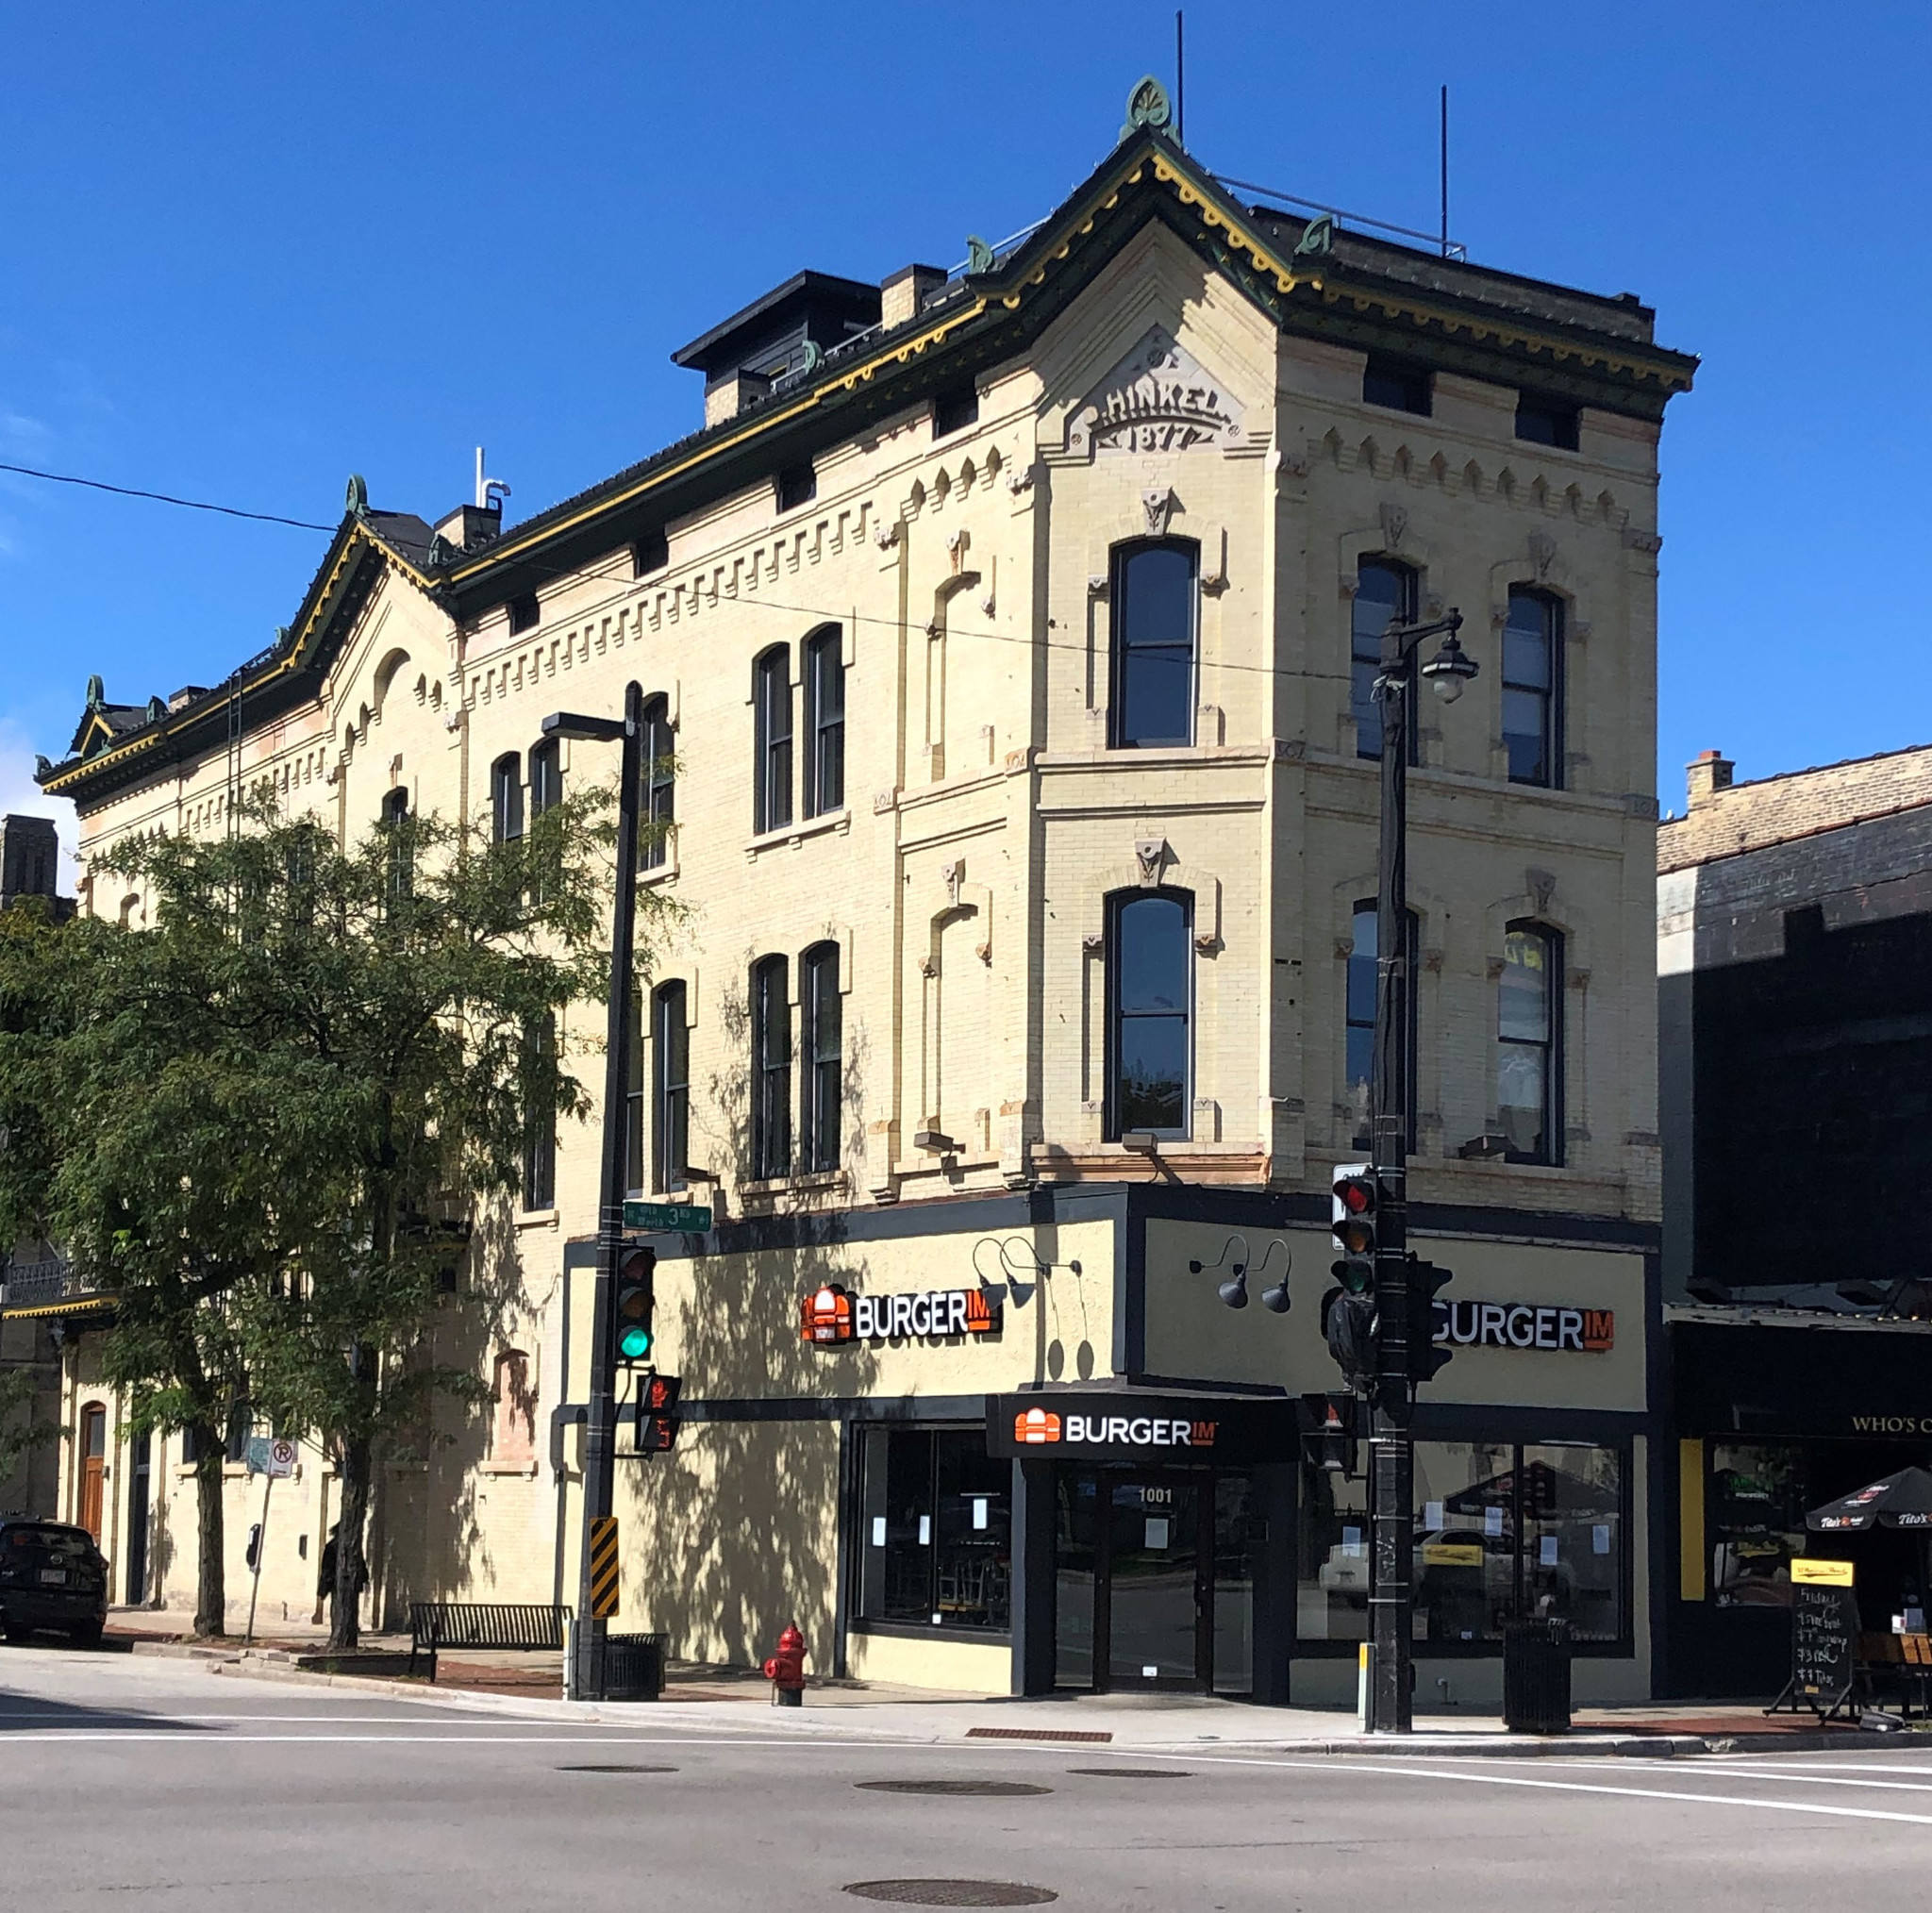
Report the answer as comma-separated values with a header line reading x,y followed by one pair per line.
x,y
657,1413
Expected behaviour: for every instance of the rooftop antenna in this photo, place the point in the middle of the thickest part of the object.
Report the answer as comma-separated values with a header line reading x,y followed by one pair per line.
x,y
1445,172
491,492
1180,80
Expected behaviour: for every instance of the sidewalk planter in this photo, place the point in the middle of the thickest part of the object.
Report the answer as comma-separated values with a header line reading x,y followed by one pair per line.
x,y
1536,1677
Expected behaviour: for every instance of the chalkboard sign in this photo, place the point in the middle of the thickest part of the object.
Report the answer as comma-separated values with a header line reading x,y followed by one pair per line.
x,y
1824,1647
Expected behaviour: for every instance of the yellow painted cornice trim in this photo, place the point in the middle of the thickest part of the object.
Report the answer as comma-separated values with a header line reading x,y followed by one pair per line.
x,y
89,1305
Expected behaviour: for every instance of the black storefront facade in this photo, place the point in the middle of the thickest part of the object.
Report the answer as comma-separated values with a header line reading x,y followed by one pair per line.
x,y
1775,1412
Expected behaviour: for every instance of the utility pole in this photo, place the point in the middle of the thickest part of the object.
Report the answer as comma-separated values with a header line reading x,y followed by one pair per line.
x,y
600,1428
1391,1399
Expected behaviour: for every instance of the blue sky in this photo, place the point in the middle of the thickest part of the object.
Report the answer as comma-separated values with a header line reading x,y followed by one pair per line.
x,y
246,250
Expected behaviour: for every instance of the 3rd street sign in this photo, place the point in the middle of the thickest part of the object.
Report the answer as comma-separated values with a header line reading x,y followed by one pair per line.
x,y
679,1217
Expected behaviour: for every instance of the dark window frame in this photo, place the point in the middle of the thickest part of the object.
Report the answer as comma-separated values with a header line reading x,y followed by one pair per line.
x,y
540,1128
771,696
1366,907
506,798
657,770
650,552
1122,643
771,1069
395,818
1553,622
1365,651
1119,903
525,613
795,485
636,1139
1398,384
822,1053
822,666
670,1085
1552,422
956,410
1551,1155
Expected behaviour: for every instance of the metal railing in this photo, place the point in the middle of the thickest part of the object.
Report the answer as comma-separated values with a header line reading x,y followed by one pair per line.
x,y
35,1284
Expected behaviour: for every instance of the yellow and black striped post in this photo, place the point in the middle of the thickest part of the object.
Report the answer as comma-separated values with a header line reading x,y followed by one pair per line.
x,y
602,1567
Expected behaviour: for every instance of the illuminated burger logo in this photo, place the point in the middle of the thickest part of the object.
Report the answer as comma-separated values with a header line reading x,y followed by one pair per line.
x,y
825,1315
1035,1427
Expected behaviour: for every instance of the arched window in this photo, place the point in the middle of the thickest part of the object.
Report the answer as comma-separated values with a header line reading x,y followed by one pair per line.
x,y
513,1419
1532,654
825,1066
1149,1007
1154,596
770,1069
546,792
670,1086
506,798
1529,1043
402,854
771,725
1385,594
1361,1021
635,1133
824,723
540,1115
659,768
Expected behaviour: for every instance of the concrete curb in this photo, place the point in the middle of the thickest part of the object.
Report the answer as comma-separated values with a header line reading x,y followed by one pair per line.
x,y
738,1718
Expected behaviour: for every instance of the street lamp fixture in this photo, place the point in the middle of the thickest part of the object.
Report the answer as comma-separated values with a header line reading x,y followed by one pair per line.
x,y
1452,667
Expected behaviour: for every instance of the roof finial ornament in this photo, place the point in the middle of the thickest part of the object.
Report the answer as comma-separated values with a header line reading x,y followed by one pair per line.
x,y
358,499
1318,237
1148,106
979,256
96,692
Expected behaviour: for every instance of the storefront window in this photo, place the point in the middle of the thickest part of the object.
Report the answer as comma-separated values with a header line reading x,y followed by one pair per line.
x,y
1234,1585
1755,1522
1502,1531
937,1543
1077,1555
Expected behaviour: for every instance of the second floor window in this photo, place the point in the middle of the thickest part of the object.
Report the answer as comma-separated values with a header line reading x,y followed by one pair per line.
x,y
670,1086
659,770
634,1133
824,723
540,1115
402,852
1528,1059
507,799
1149,1012
771,725
823,1089
1154,596
1362,1024
1532,650
770,1069
1384,595
546,791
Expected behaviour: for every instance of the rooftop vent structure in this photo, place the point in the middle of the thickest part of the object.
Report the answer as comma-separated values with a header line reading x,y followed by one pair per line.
x,y
786,330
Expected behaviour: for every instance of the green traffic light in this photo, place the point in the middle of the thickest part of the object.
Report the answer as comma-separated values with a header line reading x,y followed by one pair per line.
x,y
634,1344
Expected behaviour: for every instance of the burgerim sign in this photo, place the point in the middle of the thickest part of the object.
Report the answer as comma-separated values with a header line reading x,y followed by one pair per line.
x,y
1042,1428
833,1315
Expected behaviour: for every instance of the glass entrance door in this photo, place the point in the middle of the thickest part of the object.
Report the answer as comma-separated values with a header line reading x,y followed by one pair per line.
x,y
1158,1572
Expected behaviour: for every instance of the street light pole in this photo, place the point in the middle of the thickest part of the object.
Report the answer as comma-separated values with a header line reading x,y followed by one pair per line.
x,y
600,1426
1391,1431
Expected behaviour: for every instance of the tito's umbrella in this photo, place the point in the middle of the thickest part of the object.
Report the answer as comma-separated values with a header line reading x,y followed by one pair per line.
x,y
1900,1501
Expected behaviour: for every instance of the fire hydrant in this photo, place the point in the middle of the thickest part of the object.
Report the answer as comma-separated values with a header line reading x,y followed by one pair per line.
x,y
785,1671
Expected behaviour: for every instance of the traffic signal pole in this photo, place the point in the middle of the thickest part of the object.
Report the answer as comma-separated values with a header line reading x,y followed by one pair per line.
x,y
600,1426
1391,1431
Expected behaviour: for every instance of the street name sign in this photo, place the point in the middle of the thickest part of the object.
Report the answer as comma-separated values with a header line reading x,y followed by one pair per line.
x,y
681,1216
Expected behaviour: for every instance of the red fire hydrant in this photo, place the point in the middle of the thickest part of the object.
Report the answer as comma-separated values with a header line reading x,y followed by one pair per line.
x,y
785,1671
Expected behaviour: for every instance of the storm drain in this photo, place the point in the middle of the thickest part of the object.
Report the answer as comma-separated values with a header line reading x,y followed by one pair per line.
x,y
1002,1787
613,1767
953,1892
1136,1773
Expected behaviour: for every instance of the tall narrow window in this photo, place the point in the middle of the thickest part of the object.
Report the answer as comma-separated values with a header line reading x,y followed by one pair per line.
x,y
1384,595
402,852
546,790
824,723
1149,1012
1528,1057
825,1067
770,1069
634,1133
1532,646
540,1115
772,723
1361,1021
660,793
506,798
670,1086
1154,597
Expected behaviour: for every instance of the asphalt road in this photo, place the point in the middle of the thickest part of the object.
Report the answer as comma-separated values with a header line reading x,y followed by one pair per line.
x,y
148,1782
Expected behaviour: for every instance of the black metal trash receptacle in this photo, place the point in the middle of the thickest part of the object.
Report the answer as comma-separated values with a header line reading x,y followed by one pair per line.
x,y
1536,1676
634,1667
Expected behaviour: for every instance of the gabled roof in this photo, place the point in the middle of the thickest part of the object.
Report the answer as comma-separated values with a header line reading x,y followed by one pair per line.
x,y
1311,277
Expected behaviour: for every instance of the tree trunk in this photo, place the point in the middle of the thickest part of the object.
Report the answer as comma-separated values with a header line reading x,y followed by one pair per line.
x,y
210,1595
353,1465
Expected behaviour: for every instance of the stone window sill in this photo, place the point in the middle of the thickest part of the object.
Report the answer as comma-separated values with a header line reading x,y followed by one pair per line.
x,y
794,833
525,1469
537,1219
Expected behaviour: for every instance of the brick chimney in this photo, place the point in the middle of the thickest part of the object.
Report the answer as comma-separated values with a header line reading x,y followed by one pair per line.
x,y
906,291
1710,771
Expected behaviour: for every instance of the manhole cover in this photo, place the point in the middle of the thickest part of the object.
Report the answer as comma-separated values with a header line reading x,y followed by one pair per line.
x,y
954,1787
613,1767
952,1892
1136,1773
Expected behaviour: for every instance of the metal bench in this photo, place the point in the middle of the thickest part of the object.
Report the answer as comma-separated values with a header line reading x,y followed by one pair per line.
x,y
514,1627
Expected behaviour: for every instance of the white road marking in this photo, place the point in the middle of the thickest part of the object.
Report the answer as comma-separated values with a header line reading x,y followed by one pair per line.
x,y
161,1719
1418,1772
1795,1779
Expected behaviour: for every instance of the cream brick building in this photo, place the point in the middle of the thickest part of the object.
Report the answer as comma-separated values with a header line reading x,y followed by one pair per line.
x,y
1002,622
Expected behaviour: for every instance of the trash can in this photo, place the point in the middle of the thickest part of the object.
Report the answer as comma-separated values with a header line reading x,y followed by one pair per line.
x,y
634,1667
1536,1676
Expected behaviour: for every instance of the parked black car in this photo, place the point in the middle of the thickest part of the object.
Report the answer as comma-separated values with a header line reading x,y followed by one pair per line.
x,y
51,1576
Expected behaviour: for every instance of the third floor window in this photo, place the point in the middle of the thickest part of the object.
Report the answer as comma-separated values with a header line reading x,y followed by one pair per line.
x,y
659,766
772,727
1154,595
1385,594
1532,654
824,723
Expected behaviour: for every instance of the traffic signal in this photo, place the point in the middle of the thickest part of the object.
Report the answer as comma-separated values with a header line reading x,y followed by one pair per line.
x,y
1352,1222
1329,1424
657,1415
1425,1355
1348,1323
630,1306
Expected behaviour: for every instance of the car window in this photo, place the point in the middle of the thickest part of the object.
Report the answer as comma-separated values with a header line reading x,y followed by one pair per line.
x,y
74,1544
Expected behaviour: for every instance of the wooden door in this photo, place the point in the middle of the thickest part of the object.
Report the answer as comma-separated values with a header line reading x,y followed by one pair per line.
x,y
94,1466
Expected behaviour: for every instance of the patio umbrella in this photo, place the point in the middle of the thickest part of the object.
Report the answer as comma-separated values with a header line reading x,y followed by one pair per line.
x,y
1899,1501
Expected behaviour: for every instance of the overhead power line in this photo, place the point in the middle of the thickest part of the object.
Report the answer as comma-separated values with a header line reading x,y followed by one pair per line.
x,y
165,498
